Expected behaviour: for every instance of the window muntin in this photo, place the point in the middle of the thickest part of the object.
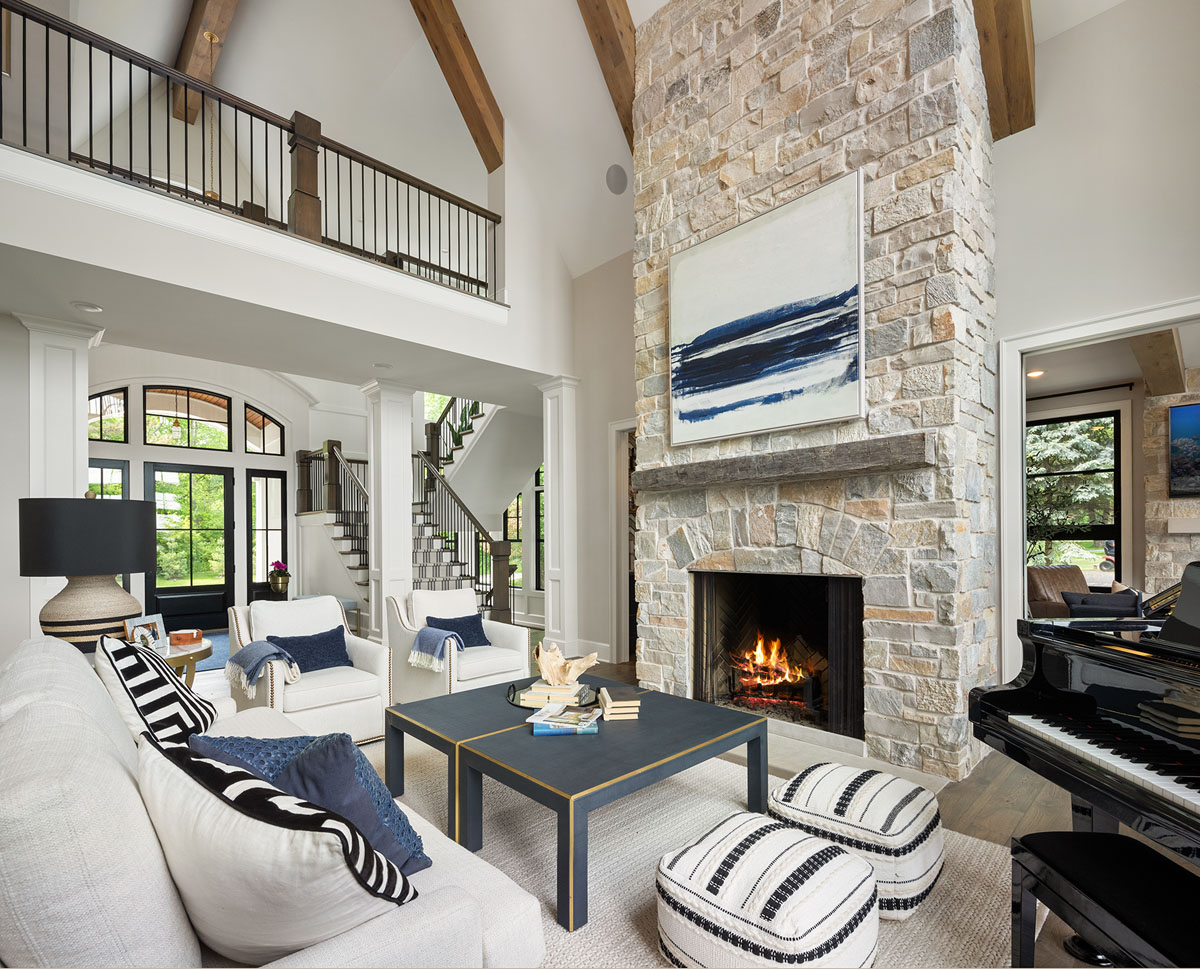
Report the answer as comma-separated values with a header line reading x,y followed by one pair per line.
x,y
1073,494
266,522
513,523
184,417
264,434
106,416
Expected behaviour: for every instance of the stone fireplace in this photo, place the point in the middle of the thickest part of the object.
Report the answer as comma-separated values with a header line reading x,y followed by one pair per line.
x,y
742,107
787,646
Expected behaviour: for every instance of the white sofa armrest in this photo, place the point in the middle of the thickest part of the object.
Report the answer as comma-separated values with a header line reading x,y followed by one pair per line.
x,y
410,682
226,706
367,655
268,688
441,928
507,636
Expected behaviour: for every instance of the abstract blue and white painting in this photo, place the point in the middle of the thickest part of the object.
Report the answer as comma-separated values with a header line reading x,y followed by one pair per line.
x,y
766,320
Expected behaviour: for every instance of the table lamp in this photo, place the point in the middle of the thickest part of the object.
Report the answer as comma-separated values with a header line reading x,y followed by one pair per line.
x,y
90,541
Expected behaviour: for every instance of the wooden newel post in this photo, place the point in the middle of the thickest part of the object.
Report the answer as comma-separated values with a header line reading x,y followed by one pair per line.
x,y
304,204
304,482
333,480
501,610
433,442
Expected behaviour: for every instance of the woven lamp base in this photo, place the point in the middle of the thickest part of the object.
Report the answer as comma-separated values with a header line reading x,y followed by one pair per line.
x,y
89,607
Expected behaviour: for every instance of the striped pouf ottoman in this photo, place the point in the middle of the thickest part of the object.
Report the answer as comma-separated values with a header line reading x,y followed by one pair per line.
x,y
892,823
757,892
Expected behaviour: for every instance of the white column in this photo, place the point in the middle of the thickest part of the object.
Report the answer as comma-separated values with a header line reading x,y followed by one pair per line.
x,y
389,516
58,448
562,522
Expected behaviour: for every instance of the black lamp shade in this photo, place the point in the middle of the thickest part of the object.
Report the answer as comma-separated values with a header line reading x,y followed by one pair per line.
x,y
86,536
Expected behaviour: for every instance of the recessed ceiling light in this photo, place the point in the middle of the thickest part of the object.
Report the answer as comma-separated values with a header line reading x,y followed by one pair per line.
x,y
86,307
1034,373
382,366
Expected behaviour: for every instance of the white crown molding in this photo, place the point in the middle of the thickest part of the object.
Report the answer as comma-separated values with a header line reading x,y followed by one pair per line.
x,y
338,409
383,384
81,331
560,382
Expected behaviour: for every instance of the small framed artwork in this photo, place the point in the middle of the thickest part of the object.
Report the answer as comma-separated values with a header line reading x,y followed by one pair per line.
x,y
766,320
1184,461
146,631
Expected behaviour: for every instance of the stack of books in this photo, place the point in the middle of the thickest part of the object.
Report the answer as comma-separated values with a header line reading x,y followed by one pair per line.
x,y
539,693
620,702
554,719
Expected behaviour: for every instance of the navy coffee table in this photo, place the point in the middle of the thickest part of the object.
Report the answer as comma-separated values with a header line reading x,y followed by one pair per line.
x,y
572,775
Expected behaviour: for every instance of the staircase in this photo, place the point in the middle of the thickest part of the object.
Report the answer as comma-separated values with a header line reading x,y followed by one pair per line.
x,y
332,486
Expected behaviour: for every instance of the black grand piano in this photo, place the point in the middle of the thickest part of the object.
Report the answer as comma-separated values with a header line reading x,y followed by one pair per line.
x,y
1110,711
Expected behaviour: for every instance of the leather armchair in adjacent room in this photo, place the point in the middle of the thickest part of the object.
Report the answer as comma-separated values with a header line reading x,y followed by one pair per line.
x,y
1047,583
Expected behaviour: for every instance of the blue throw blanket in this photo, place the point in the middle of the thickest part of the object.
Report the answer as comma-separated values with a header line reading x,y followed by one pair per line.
x,y
246,665
429,651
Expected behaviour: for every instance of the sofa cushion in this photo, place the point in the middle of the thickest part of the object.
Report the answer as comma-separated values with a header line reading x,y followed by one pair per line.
x,y
891,822
1046,582
471,664
148,694
323,687
1091,605
84,878
333,773
300,617
319,651
512,918
255,722
756,892
48,668
441,602
469,628
262,874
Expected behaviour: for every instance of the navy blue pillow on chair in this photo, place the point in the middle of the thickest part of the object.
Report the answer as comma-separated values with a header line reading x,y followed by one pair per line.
x,y
470,628
321,651
332,773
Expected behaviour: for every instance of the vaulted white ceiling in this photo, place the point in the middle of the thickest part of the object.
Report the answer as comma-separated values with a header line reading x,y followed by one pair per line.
x,y
365,71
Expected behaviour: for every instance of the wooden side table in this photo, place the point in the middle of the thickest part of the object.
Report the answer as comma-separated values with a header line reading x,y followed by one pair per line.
x,y
184,659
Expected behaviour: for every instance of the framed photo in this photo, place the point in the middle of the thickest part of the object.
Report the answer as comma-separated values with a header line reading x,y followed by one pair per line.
x,y
146,631
1183,472
766,320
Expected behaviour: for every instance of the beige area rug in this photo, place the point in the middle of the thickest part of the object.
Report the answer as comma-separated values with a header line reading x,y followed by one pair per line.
x,y
964,922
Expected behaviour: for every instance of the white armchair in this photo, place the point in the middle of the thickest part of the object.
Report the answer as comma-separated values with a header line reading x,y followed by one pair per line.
x,y
507,659
345,699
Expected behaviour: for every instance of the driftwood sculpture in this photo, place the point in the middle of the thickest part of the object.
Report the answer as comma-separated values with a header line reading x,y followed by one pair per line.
x,y
558,671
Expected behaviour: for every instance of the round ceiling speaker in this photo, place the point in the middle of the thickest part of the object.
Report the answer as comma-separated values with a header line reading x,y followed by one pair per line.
x,y
616,179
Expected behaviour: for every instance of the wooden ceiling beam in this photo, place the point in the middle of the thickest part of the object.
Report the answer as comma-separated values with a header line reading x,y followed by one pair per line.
x,y
448,40
1005,29
194,59
1160,356
611,28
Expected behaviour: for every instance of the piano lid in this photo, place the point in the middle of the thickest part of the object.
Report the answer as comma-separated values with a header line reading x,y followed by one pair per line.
x,y
1182,627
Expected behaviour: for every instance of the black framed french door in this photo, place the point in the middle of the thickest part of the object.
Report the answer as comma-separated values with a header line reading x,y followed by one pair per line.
x,y
266,530
108,478
192,584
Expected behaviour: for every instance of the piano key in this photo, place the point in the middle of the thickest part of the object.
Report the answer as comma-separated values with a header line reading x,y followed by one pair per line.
x,y
1116,747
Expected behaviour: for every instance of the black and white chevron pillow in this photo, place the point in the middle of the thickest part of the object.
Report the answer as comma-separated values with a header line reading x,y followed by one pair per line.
x,y
253,865
149,694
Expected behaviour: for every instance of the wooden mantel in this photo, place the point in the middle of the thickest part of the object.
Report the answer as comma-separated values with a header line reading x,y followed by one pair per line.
x,y
877,455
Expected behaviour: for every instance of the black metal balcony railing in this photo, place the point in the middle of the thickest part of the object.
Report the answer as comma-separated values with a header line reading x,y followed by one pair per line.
x,y
80,98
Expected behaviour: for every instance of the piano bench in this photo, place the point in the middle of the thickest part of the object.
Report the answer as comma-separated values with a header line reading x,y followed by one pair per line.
x,y
1118,893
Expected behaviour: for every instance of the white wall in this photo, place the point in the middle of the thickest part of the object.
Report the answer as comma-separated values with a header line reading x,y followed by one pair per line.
x,y
15,620
603,328
1097,204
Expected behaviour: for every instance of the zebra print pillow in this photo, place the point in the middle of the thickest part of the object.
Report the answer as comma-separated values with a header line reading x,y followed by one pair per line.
x,y
148,693
261,874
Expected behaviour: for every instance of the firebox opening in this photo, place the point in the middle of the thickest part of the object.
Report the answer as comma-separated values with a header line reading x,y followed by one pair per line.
x,y
786,646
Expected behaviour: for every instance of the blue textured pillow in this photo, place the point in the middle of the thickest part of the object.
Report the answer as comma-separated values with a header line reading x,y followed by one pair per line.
x,y
470,628
332,773
321,651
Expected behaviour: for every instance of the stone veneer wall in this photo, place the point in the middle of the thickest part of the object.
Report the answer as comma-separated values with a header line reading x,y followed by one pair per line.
x,y
741,106
1166,553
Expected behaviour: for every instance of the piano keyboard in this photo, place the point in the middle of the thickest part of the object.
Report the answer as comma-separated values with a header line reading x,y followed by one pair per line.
x,y
1155,764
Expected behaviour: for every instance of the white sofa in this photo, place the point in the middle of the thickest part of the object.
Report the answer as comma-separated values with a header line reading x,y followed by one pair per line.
x,y
346,699
83,880
507,659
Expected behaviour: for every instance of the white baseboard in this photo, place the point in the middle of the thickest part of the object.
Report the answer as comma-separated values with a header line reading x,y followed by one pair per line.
x,y
581,647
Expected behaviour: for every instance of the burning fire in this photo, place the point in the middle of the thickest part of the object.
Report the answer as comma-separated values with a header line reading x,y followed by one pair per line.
x,y
766,667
